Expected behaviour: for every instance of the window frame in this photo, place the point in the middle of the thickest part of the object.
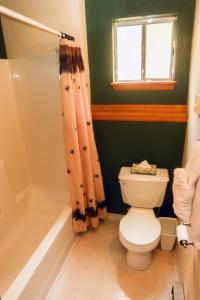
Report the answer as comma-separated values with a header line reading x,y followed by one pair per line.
x,y
145,20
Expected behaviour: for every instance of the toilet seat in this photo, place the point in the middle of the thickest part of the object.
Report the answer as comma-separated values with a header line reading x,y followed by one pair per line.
x,y
140,230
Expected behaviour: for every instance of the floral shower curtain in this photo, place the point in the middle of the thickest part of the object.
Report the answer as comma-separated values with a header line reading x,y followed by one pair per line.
x,y
83,167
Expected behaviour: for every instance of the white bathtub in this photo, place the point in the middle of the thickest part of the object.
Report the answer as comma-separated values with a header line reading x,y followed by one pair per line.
x,y
35,236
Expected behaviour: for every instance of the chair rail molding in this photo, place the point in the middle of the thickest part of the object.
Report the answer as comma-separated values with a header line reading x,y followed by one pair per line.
x,y
140,112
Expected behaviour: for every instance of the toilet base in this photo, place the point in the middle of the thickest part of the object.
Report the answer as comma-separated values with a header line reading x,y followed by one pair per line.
x,y
139,261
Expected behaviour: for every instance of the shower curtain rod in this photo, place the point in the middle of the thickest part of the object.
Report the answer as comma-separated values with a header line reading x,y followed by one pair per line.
x,y
12,14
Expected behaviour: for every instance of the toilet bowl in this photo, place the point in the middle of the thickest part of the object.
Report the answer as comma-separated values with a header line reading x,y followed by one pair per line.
x,y
139,233
139,229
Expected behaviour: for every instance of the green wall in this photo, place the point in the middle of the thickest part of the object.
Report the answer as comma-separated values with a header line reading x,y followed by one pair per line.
x,y
2,44
122,143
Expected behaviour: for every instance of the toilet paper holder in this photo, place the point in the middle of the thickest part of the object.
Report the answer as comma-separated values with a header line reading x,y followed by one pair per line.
x,y
183,242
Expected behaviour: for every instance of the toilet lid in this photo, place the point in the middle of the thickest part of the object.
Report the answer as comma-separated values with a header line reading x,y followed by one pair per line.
x,y
140,227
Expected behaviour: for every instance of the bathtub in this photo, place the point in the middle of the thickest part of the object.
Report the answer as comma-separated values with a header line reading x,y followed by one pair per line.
x,y
35,236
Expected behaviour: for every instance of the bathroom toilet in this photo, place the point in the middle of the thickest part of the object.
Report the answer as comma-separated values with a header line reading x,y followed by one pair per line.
x,y
139,229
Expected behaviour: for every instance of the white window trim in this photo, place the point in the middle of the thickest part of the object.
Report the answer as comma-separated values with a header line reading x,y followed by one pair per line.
x,y
144,21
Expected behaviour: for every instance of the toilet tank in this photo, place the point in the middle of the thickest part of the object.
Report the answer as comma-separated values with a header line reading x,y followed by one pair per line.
x,y
145,191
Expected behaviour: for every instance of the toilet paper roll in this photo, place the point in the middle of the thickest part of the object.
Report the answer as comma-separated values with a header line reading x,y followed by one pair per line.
x,y
182,234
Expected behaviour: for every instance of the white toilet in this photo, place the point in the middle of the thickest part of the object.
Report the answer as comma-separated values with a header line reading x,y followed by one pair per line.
x,y
139,229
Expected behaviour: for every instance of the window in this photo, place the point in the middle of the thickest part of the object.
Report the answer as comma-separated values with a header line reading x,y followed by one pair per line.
x,y
144,49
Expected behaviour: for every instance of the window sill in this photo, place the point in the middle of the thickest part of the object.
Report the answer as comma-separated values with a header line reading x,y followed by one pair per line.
x,y
143,86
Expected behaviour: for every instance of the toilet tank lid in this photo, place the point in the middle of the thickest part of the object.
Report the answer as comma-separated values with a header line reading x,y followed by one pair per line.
x,y
126,175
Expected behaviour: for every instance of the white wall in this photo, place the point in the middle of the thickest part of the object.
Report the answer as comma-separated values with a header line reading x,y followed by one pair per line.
x,y
63,15
189,259
33,58
12,150
193,127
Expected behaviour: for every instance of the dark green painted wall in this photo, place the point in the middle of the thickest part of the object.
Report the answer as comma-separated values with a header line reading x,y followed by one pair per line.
x,y
121,143
2,44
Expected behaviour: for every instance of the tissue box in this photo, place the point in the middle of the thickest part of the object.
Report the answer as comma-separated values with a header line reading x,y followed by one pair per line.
x,y
142,170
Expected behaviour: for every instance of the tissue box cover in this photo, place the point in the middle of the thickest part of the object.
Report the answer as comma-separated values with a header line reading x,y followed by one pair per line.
x,y
143,170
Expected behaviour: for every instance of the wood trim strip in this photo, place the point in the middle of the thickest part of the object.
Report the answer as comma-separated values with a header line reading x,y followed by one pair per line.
x,y
143,86
140,112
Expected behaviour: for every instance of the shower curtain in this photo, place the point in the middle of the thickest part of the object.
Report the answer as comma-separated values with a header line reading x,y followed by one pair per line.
x,y
83,167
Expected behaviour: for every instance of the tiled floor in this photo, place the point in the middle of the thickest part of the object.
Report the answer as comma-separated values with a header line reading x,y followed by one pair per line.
x,y
96,269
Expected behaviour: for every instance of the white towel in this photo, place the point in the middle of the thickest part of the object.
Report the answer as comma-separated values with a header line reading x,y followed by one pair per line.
x,y
193,164
186,192
183,195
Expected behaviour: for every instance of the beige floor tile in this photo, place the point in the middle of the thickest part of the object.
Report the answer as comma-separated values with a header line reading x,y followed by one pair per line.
x,y
96,269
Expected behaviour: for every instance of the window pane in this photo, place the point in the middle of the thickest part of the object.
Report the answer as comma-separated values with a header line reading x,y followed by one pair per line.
x,y
129,52
158,50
